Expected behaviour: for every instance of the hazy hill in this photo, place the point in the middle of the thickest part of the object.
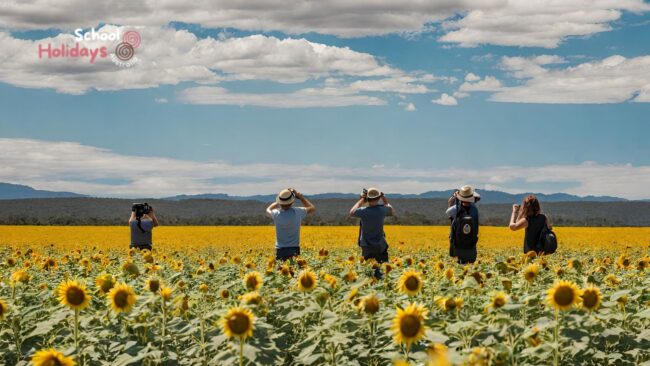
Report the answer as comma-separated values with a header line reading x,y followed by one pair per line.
x,y
421,211
17,191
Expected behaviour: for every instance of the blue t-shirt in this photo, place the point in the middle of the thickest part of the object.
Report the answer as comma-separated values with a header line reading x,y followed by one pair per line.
x,y
372,225
287,226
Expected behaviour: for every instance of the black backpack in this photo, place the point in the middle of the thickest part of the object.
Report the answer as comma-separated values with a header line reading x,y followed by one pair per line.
x,y
547,240
465,228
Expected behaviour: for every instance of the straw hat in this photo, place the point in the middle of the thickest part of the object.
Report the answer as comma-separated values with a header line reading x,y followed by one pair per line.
x,y
285,197
466,194
373,193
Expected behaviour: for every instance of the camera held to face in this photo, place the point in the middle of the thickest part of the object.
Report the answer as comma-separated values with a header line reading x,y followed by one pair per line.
x,y
141,209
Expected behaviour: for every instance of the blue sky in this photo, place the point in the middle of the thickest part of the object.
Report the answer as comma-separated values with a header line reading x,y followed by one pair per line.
x,y
544,111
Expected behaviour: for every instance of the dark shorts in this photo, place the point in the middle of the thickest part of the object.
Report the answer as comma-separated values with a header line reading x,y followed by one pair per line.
x,y
141,246
283,254
380,257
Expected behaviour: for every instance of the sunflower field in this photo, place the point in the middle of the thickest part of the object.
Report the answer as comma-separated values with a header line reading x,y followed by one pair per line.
x,y
216,296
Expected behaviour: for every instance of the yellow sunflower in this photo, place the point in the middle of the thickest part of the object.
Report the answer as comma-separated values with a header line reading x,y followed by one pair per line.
x,y
410,282
3,309
623,261
238,323
307,281
369,304
252,298
152,285
591,298
563,295
499,300
166,293
121,298
51,357
73,294
50,264
438,355
253,281
20,276
105,282
530,273
408,324
448,303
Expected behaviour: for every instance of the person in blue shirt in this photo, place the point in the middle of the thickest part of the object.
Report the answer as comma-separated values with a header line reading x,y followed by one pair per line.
x,y
142,221
372,238
287,220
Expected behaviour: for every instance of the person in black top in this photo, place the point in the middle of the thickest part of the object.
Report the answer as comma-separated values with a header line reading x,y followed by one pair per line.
x,y
529,216
463,234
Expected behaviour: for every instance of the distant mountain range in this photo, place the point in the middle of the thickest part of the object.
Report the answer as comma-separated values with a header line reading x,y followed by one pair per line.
x,y
14,191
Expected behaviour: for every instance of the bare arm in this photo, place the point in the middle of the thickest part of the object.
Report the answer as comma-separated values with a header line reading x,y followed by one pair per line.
x,y
153,217
305,202
356,206
269,209
452,200
391,210
132,216
515,222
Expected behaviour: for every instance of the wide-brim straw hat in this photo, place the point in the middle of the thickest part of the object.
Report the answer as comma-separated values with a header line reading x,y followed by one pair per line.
x,y
285,197
467,194
373,193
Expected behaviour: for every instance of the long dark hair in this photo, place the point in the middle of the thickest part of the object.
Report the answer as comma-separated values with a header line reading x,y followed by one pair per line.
x,y
530,206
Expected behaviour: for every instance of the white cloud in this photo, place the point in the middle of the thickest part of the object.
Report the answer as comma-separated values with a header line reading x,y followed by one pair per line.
x,y
445,99
70,166
161,100
409,107
169,56
472,77
537,23
469,22
611,80
303,98
488,83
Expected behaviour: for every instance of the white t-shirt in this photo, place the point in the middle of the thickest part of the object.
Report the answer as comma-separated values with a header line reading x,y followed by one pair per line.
x,y
287,226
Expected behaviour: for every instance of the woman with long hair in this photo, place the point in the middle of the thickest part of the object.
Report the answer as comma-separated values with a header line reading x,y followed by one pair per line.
x,y
529,216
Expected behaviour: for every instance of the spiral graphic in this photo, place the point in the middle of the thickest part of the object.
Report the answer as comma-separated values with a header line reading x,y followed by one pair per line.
x,y
132,38
124,51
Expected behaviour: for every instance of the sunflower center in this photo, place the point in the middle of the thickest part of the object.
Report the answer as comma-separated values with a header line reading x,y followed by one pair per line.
x,y
154,286
75,296
306,281
450,304
410,325
589,299
412,283
251,282
499,302
121,299
239,324
564,296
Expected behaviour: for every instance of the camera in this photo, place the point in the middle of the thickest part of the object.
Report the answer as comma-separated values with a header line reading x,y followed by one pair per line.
x,y
141,209
364,194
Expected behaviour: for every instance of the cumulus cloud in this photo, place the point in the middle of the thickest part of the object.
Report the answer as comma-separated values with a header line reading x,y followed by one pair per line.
x,y
71,166
536,23
468,23
475,83
445,99
614,79
409,107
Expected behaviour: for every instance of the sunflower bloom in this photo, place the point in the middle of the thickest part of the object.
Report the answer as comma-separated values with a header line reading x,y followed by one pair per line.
x,y
563,295
121,298
307,281
238,323
73,295
105,282
530,273
438,355
408,324
3,309
410,282
590,298
253,281
369,304
51,357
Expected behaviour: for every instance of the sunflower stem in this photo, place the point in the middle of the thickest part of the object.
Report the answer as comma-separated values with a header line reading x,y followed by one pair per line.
x,y
76,333
241,352
556,354
164,325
